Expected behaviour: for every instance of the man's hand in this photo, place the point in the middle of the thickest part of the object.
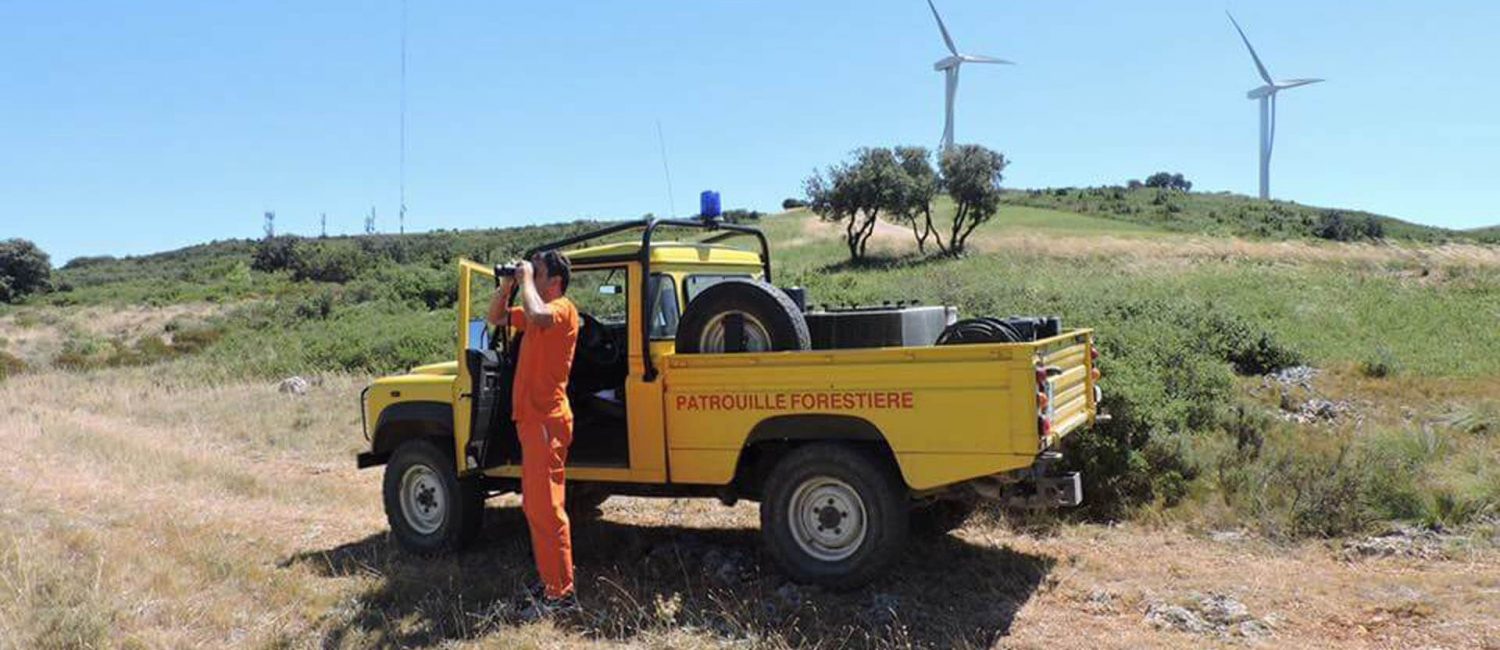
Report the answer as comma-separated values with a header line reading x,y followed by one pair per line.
x,y
500,301
523,272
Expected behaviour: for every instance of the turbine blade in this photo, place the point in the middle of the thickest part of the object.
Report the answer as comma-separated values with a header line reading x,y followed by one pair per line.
x,y
1258,65
1293,83
943,28
975,58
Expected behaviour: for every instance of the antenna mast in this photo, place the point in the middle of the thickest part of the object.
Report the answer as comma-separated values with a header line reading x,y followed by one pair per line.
x,y
402,163
662,141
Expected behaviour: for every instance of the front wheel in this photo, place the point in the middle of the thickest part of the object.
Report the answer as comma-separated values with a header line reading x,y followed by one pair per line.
x,y
429,509
834,516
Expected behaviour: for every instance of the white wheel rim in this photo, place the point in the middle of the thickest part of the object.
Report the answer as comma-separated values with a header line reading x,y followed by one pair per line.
x,y
757,337
423,501
828,519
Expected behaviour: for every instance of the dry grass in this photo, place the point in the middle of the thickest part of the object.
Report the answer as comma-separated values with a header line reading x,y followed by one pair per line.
x,y
149,507
37,333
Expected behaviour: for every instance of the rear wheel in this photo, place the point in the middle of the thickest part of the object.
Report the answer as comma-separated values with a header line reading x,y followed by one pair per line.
x,y
833,515
429,509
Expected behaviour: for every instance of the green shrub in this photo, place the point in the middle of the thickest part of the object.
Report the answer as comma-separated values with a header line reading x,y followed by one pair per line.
x,y
1481,419
25,269
84,353
1382,363
1338,226
193,339
11,364
328,262
274,254
28,319
418,287
1310,486
377,337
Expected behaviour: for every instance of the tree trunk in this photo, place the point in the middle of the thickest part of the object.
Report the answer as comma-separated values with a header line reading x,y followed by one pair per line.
x,y
851,238
921,236
937,237
956,244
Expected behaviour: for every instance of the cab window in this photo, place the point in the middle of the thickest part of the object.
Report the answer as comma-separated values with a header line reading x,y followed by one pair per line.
x,y
695,284
664,310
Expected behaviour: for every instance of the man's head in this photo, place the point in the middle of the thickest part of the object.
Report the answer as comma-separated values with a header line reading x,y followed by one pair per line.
x,y
551,273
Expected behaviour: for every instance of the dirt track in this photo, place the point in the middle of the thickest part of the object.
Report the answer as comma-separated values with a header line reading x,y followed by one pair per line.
x,y
137,507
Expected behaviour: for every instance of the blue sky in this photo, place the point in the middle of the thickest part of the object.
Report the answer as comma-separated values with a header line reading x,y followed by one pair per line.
x,y
134,127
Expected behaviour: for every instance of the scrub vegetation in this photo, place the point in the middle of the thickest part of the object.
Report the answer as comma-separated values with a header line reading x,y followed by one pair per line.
x,y
1278,399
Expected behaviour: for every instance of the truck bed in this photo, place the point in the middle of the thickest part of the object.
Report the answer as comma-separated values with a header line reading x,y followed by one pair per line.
x,y
948,413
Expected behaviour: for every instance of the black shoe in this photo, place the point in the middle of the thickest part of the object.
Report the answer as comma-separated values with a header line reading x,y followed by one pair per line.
x,y
533,592
541,608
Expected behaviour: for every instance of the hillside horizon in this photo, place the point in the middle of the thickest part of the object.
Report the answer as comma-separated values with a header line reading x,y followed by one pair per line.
x,y
1403,229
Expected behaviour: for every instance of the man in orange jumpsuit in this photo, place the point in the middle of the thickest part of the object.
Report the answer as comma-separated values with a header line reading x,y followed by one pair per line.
x,y
544,419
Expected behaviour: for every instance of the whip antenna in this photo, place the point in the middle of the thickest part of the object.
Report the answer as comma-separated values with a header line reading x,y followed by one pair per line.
x,y
402,158
667,170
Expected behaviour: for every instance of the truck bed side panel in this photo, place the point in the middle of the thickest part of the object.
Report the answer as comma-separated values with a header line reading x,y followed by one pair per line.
x,y
949,414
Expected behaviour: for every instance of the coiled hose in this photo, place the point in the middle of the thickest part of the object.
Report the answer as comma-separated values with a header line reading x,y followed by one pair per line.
x,y
986,329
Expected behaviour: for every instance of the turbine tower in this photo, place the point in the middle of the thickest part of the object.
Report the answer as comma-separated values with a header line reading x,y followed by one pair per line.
x,y
949,66
1267,96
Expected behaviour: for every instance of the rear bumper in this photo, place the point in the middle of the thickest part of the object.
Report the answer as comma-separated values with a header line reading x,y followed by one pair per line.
x,y
1037,487
371,459
1057,491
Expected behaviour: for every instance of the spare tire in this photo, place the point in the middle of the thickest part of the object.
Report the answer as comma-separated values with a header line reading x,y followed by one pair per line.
x,y
742,315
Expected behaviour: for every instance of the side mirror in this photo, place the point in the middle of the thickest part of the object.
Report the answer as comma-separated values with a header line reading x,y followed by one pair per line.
x,y
611,289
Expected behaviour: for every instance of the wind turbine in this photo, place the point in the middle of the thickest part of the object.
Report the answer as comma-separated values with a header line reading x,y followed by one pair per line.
x,y
949,66
1267,96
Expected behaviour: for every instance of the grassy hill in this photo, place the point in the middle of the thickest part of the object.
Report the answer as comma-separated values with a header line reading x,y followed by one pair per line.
x,y
1489,235
180,352
1228,214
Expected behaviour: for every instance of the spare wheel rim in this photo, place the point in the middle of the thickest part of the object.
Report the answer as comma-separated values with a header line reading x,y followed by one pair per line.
x,y
757,335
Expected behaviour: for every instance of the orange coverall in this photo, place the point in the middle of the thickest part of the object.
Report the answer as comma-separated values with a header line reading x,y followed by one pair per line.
x,y
544,424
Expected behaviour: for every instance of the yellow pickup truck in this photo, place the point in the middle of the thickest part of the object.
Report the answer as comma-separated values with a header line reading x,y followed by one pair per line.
x,y
695,376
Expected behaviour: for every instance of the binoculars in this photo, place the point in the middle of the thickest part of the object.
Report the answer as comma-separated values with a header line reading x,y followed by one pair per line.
x,y
505,270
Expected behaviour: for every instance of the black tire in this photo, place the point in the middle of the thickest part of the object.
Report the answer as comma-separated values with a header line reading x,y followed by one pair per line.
x,y
774,314
447,513
940,517
812,480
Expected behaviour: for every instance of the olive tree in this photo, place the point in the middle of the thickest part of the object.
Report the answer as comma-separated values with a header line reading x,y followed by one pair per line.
x,y
971,176
24,269
854,193
919,186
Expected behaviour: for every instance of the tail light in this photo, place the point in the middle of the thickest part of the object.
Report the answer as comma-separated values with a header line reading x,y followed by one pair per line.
x,y
1043,404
